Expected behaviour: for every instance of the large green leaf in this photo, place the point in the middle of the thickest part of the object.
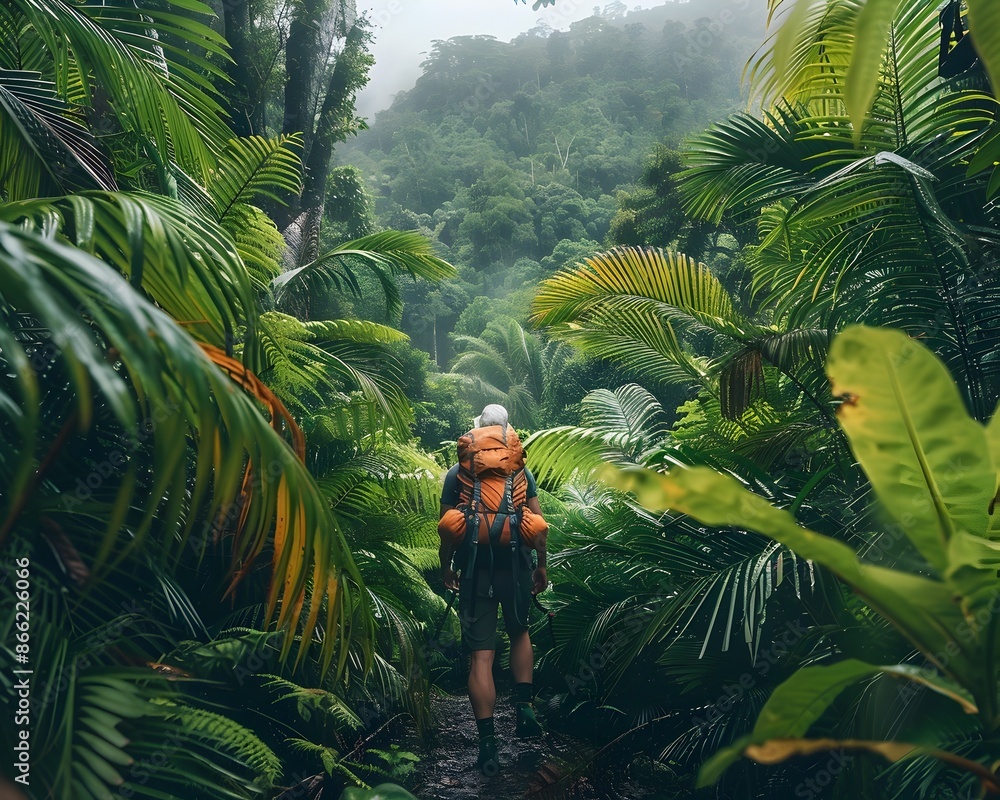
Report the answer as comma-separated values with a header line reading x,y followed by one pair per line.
x,y
993,441
384,791
984,25
791,710
651,310
801,700
927,459
922,609
641,341
813,41
248,169
775,751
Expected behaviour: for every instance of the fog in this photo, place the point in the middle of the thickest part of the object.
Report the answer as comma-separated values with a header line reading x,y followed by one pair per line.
x,y
404,30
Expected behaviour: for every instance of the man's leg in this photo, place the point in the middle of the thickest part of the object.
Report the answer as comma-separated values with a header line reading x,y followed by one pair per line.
x,y
482,692
522,657
479,635
483,697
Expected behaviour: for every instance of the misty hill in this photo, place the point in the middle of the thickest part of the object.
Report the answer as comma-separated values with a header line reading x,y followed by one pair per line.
x,y
515,155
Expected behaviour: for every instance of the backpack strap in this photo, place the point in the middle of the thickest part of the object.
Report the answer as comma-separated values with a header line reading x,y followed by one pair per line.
x,y
471,542
520,614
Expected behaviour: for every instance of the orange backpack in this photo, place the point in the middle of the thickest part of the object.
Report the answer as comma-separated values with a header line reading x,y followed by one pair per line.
x,y
493,491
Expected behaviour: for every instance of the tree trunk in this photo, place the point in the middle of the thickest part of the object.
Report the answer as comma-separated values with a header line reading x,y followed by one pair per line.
x,y
435,342
302,57
244,96
349,74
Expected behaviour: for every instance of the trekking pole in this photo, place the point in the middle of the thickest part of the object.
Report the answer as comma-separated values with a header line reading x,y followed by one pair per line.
x,y
447,611
551,615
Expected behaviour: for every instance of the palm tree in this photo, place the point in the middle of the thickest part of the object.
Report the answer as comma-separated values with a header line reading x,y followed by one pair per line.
x,y
854,36
651,311
876,221
149,469
505,365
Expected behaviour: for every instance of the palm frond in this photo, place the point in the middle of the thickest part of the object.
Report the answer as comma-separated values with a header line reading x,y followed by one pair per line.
x,y
385,255
117,350
645,280
156,87
248,169
329,360
46,150
258,241
626,426
737,166
254,167
629,413
506,365
641,342
186,264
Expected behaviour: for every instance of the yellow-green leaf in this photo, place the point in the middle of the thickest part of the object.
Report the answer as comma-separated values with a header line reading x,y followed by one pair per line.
x,y
921,608
984,25
926,457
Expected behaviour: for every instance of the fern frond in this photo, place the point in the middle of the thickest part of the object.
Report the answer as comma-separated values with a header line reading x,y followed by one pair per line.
x,y
254,167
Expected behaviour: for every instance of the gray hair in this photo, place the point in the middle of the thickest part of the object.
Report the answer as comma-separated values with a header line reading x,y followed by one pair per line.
x,y
493,414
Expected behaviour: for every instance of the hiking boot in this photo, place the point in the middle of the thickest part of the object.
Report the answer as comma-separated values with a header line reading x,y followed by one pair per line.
x,y
527,726
488,762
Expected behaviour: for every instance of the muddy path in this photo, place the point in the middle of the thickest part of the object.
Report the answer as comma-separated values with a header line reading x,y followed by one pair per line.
x,y
539,769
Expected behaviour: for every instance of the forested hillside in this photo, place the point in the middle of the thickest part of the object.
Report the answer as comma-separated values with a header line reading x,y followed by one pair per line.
x,y
515,157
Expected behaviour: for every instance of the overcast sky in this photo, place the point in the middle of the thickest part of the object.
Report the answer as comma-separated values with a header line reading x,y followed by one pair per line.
x,y
404,30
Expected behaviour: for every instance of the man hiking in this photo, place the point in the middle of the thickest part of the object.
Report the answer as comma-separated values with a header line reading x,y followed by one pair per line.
x,y
490,523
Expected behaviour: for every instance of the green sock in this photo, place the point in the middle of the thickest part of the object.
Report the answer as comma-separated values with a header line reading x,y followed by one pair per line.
x,y
485,726
522,692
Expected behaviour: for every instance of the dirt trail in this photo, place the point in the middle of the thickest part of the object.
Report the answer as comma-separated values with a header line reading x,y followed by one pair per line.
x,y
448,768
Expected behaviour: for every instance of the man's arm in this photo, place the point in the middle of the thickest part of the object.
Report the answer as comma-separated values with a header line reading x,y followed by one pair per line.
x,y
540,577
445,552
535,507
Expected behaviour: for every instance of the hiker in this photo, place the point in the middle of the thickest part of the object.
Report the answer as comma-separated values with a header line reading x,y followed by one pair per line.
x,y
490,522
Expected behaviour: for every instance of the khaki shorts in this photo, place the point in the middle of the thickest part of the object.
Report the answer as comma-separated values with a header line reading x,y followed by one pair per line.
x,y
479,619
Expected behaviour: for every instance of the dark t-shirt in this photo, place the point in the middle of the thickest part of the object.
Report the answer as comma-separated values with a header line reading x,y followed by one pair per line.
x,y
451,495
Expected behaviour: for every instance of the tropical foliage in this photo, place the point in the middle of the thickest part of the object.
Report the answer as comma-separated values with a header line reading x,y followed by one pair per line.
x,y
887,222
154,420
908,428
515,157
